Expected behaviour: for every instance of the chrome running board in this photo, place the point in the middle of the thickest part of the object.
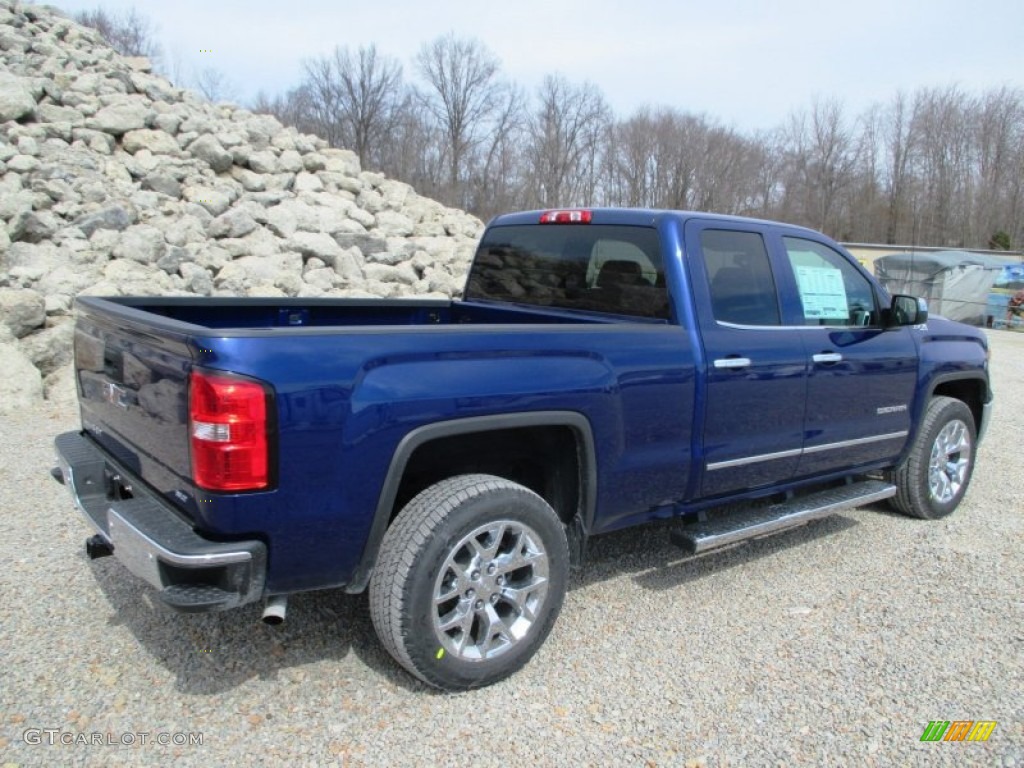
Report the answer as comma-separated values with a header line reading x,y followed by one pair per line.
x,y
732,527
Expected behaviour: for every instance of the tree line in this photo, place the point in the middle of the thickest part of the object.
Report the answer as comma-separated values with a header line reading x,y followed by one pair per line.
x,y
939,166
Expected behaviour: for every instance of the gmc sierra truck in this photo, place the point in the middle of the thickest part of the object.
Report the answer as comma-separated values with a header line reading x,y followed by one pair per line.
x,y
604,369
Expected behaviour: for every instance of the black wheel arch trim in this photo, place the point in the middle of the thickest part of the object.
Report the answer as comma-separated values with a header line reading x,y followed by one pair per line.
x,y
935,383
945,378
470,425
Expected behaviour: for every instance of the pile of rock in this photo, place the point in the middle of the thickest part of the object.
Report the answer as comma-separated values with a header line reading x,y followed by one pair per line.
x,y
115,182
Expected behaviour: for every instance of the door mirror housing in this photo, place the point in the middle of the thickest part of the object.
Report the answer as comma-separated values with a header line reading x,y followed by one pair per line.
x,y
907,310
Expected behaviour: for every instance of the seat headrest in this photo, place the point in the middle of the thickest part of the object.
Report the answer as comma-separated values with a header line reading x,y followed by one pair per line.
x,y
619,272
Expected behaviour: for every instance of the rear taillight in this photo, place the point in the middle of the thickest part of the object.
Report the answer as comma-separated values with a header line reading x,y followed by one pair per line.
x,y
228,428
566,217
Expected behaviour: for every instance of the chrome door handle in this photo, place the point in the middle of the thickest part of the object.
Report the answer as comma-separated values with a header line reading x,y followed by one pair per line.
x,y
827,357
732,362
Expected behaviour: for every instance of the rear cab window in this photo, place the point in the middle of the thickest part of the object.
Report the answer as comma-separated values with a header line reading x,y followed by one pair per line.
x,y
613,269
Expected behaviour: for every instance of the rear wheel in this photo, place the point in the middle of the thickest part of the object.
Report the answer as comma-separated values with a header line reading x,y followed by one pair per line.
x,y
932,480
469,581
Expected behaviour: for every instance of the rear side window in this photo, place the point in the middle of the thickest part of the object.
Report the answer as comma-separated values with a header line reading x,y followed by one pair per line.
x,y
739,277
597,267
832,291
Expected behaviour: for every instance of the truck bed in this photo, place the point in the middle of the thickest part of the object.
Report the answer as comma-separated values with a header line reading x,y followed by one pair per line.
x,y
351,379
247,314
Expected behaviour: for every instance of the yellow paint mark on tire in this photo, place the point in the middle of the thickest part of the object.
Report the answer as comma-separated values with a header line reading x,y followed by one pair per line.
x,y
440,653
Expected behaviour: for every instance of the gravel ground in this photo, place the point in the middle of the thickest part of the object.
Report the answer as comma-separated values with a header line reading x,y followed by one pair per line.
x,y
834,644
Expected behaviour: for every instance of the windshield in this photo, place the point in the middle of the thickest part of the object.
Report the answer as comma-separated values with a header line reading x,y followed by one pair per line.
x,y
596,267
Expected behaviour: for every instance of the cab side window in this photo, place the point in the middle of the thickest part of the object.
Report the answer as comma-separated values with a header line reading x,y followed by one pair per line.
x,y
831,289
740,278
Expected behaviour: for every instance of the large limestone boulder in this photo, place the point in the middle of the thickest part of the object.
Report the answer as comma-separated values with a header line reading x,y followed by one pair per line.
x,y
21,384
16,100
21,310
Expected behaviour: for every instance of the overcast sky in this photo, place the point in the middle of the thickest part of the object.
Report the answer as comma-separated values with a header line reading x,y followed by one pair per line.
x,y
748,64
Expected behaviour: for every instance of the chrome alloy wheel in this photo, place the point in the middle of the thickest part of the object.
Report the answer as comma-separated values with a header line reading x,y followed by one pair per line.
x,y
950,460
490,590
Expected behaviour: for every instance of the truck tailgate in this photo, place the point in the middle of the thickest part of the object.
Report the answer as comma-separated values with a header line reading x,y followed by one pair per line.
x,y
133,392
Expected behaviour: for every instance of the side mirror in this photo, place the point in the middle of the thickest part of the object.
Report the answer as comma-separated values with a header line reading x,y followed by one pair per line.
x,y
907,310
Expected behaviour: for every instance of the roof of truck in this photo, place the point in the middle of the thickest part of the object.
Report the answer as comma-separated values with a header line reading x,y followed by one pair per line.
x,y
632,216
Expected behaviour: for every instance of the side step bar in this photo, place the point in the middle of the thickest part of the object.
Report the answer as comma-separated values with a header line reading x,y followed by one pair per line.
x,y
736,526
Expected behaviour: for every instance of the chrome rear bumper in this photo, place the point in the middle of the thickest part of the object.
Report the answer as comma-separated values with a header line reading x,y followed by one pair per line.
x,y
192,573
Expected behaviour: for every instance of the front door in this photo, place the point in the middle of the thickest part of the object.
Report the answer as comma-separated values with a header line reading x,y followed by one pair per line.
x,y
862,377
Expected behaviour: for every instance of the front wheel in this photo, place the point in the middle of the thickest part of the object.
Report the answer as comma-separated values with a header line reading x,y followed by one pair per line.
x,y
469,581
932,480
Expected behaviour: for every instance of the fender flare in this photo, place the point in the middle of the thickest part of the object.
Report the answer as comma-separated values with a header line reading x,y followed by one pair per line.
x,y
978,376
945,378
475,424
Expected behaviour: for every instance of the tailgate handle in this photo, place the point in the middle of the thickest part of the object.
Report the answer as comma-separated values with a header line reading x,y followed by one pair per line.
x,y
732,362
827,357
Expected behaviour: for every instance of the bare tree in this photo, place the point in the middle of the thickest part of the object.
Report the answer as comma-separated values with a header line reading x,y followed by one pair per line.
x,y
498,183
724,169
214,85
355,99
933,167
900,129
820,162
946,166
863,203
669,159
832,159
566,132
417,150
767,159
129,34
323,100
292,108
463,94
654,159
632,160
999,151
264,103
677,136
1015,191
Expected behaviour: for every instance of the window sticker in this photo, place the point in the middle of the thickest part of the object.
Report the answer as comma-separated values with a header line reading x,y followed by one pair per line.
x,y
823,293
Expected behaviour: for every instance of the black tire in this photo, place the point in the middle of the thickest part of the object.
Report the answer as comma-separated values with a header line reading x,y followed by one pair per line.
x,y
425,580
920,492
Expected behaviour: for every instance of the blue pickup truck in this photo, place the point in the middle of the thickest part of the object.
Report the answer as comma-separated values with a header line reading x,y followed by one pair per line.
x,y
605,368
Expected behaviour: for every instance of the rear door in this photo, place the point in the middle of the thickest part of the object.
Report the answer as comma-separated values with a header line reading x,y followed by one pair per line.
x,y
757,369
862,376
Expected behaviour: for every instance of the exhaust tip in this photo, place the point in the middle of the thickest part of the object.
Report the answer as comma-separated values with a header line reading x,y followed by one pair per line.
x,y
275,610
